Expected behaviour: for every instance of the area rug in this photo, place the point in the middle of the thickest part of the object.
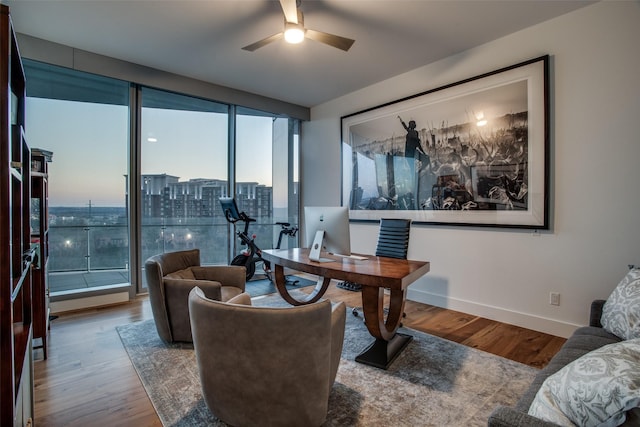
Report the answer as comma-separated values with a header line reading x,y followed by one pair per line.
x,y
258,287
434,382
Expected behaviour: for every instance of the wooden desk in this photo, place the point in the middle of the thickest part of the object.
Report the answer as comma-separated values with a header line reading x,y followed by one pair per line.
x,y
374,274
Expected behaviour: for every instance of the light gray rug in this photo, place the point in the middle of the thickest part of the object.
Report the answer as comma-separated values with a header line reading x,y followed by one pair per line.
x,y
434,382
260,287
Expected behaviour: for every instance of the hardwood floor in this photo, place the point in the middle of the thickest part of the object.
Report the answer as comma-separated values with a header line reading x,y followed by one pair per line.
x,y
88,379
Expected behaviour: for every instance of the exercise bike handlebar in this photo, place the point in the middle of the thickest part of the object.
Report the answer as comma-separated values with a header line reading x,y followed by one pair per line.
x,y
241,217
233,214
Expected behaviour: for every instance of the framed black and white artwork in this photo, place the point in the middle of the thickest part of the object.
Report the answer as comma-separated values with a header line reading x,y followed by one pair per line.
x,y
474,153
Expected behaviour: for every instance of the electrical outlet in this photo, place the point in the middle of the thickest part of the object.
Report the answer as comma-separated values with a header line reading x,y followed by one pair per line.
x,y
554,298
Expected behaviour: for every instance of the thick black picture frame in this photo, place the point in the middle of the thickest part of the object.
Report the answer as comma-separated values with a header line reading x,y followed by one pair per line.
x,y
470,153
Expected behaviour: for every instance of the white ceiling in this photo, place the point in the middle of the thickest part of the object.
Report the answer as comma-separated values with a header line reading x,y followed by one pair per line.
x,y
202,39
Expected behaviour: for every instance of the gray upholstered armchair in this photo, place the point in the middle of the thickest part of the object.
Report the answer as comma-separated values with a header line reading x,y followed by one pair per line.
x,y
170,278
266,366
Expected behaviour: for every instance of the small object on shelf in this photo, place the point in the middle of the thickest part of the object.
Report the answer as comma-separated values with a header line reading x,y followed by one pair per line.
x,y
39,223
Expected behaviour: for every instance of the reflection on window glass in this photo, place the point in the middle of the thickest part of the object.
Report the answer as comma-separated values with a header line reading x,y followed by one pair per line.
x,y
266,179
84,120
184,172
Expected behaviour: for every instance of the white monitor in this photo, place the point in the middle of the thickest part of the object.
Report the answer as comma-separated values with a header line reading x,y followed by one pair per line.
x,y
333,224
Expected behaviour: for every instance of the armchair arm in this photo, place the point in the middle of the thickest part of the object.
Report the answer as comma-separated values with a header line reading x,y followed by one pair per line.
x,y
504,416
227,275
596,313
338,319
177,301
157,298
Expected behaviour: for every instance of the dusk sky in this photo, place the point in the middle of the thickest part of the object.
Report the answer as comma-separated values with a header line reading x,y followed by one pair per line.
x,y
89,144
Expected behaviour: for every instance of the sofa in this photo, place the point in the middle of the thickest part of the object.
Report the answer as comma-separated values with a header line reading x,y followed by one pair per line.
x,y
561,376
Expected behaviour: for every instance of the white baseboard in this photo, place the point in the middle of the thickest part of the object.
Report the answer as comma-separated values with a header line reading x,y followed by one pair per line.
x,y
524,320
87,302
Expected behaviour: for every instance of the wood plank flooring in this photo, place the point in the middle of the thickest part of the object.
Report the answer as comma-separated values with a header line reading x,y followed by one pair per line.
x,y
88,379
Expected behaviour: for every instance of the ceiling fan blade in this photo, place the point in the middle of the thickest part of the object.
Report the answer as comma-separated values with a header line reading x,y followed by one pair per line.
x,y
290,10
342,43
263,42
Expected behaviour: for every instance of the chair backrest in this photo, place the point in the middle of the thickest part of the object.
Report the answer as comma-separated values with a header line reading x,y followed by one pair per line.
x,y
242,351
156,267
170,262
393,238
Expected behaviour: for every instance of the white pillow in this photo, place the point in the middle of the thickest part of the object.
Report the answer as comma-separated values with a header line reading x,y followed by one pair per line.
x,y
594,390
621,311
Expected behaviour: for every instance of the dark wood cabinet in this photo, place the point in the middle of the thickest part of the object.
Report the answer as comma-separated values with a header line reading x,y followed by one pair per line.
x,y
16,253
40,160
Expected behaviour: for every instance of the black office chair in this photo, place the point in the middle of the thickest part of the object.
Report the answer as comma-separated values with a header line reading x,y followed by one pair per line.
x,y
393,238
393,242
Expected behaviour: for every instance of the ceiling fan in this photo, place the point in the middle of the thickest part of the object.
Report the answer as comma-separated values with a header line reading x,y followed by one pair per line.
x,y
295,32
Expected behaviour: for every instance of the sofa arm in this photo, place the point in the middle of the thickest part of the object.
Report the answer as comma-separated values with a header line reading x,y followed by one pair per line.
x,y
504,416
596,313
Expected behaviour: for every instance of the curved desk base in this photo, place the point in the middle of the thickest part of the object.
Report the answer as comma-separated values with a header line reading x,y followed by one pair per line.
x,y
317,293
382,353
388,344
375,274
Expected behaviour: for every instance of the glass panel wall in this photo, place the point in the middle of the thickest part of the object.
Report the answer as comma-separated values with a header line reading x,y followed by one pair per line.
x,y
266,178
186,146
184,171
84,120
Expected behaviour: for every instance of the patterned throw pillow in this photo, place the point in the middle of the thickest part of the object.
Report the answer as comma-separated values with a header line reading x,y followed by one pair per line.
x,y
594,390
621,312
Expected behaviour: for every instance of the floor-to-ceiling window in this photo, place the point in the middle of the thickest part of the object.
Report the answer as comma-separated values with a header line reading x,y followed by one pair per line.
x,y
266,166
138,171
184,167
84,120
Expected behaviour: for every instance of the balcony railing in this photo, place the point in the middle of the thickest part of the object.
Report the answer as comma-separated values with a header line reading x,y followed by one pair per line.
x,y
82,257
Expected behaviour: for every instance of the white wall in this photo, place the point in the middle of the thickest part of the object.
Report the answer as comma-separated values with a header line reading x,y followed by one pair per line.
x,y
595,177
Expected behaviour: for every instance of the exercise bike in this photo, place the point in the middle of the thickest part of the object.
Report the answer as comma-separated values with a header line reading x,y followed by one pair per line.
x,y
252,255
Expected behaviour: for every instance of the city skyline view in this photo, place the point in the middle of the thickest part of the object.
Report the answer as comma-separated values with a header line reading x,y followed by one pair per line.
x,y
89,144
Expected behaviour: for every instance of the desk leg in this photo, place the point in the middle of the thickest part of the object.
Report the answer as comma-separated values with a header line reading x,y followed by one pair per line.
x,y
388,344
381,353
318,291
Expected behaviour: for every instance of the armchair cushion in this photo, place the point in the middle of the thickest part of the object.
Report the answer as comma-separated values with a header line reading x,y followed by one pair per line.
x,y
242,299
186,273
175,289
228,275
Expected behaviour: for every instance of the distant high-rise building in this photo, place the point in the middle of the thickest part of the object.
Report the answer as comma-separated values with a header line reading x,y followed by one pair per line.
x,y
165,196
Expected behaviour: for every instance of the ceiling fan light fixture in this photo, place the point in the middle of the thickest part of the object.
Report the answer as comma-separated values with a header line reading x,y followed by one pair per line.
x,y
293,33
